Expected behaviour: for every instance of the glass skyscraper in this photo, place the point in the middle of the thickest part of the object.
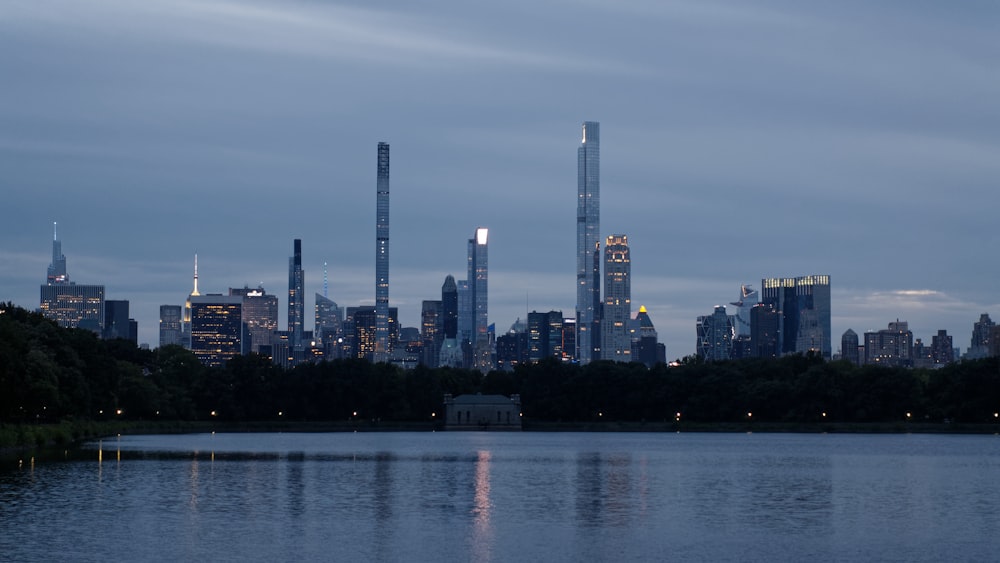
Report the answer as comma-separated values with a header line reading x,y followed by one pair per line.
x,y
803,307
296,296
479,289
69,304
588,227
382,257
616,342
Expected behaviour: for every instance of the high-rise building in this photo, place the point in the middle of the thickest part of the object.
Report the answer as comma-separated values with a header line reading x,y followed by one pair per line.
x,y
116,319
616,342
57,269
741,318
296,298
186,321
715,336
891,347
980,345
431,332
764,331
329,324
646,347
451,347
170,325
545,335
382,256
588,232
68,304
803,307
942,351
479,290
849,347
217,328
260,313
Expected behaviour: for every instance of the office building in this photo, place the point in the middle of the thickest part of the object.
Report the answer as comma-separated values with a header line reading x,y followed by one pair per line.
x,y
329,324
382,256
715,336
545,335
68,304
217,328
646,347
803,307
588,232
170,325
451,346
431,332
849,347
186,321
742,307
260,313
764,331
616,341
117,323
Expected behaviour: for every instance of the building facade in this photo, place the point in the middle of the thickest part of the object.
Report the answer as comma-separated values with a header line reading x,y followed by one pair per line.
x,y
260,313
616,340
891,346
170,325
479,299
217,328
296,298
804,313
68,304
715,336
381,353
588,232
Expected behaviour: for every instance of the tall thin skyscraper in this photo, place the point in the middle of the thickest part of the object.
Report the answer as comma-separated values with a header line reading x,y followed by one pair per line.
x,y
57,269
296,295
479,286
616,342
588,227
382,257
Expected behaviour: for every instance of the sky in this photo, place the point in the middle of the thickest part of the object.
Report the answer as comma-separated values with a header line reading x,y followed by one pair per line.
x,y
739,140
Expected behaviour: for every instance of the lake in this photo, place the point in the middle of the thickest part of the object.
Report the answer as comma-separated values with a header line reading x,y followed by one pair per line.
x,y
518,496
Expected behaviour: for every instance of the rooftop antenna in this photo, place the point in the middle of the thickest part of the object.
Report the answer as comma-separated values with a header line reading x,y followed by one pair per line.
x,y
195,292
55,230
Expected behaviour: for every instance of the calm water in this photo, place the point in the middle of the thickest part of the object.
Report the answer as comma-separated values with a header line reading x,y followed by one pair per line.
x,y
458,497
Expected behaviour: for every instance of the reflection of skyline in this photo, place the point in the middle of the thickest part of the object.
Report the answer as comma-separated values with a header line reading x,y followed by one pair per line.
x,y
482,529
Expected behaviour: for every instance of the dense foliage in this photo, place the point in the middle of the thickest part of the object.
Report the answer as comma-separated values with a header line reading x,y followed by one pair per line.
x,y
49,374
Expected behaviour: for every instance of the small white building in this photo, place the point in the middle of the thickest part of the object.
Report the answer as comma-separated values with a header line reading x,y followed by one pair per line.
x,y
482,412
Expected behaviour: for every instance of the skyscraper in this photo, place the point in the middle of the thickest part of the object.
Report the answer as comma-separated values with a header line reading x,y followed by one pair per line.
x,y
217,328
382,257
748,298
57,269
296,297
329,321
69,304
116,319
186,321
170,325
616,342
588,227
451,348
803,307
715,336
431,332
849,347
260,313
479,288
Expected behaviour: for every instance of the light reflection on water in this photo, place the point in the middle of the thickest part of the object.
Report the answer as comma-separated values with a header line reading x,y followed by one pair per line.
x,y
501,497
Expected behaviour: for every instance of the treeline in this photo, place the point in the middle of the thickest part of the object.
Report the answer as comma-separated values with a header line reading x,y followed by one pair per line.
x,y
48,374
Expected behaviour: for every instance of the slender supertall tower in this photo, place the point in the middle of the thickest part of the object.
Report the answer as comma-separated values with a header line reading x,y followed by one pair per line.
x,y
479,286
57,269
382,257
296,294
588,227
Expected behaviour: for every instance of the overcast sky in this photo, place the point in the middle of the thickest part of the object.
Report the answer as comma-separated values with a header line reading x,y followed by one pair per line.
x,y
739,140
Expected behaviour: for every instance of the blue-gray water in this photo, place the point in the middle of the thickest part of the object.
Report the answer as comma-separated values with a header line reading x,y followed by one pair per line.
x,y
458,497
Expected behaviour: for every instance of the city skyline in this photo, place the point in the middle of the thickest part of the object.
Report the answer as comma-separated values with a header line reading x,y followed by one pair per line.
x,y
739,142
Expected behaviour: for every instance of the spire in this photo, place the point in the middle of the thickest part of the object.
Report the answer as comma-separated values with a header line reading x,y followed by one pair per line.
x,y
325,286
55,231
195,292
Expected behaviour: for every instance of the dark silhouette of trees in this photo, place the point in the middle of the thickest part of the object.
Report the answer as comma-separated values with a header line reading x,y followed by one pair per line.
x,y
48,374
